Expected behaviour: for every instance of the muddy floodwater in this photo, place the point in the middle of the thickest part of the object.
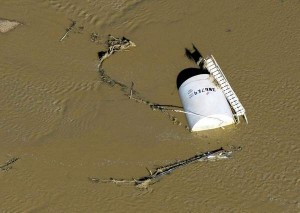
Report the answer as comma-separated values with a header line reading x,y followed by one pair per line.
x,y
65,125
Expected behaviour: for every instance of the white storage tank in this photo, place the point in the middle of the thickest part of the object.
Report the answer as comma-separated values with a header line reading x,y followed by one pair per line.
x,y
203,101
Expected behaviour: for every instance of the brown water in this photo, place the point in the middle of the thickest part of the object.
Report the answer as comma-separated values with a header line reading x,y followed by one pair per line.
x,y
65,125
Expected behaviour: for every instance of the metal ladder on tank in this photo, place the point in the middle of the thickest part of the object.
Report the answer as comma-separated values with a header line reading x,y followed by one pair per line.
x,y
215,70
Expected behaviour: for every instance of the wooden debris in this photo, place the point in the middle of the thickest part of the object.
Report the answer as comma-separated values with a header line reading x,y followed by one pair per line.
x,y
120,44
68,30
114,45
146,181
7,166
8,25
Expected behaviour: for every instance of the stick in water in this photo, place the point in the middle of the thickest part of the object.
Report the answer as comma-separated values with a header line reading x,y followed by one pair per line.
x,y
7,166
146,181
69,29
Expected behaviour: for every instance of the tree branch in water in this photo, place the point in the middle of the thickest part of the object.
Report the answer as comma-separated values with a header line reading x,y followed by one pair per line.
x,y
120,44
7,166
145,181
68,30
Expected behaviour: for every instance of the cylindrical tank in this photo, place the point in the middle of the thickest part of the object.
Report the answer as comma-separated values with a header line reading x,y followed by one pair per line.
x,y
203,101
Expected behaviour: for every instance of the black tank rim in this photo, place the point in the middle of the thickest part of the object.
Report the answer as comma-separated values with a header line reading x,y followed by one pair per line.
x,y
188,73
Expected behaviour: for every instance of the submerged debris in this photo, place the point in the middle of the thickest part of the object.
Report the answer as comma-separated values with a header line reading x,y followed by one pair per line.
x,y
7,166
8,25
146,181
95,37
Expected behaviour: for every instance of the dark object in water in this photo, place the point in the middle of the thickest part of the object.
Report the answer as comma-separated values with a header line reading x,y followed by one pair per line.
x,y
185,74
125,39
194,55
101,54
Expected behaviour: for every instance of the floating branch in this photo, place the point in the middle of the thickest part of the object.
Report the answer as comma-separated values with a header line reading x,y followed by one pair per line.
x,y
120,44
146,181
68,30
7,166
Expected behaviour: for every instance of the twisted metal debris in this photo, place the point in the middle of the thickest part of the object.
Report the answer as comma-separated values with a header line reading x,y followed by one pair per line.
x,y
146,181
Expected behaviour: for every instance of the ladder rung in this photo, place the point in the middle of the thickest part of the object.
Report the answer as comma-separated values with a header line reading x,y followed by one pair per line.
x,y
230,95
